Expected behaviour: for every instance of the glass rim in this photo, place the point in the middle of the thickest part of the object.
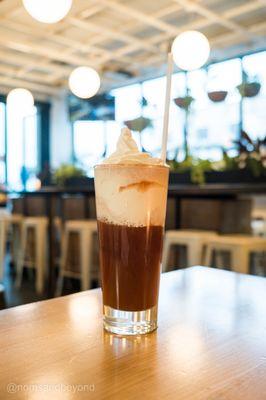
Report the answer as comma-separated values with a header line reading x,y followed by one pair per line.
x,y
121,166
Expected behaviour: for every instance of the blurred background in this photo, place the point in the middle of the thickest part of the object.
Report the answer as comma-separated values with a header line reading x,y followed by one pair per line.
x,y
74,73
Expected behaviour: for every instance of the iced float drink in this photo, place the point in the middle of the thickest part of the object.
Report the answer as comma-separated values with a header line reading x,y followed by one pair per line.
x,y
131,204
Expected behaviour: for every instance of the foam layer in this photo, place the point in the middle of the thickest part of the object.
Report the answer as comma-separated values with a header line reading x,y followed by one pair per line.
x,y
127,152
132,195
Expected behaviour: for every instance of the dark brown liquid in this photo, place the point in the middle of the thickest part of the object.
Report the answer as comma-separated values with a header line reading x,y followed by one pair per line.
x,y
130,265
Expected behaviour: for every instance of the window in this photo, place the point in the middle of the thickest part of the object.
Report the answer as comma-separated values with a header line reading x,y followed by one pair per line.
x,y
94,140
177,118
254,108
127,102
218,120
127,105
154,92
210,126
22,150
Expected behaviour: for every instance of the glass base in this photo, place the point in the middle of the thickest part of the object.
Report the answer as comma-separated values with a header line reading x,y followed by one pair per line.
x,y
130,322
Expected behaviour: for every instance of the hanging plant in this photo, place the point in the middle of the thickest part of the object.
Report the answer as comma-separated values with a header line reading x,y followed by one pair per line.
x,y
184,102
138,124
217,96
250,87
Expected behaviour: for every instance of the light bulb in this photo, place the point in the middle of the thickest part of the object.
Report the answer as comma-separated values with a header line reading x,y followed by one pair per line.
x,y
190,50
20,100
84,82
47,11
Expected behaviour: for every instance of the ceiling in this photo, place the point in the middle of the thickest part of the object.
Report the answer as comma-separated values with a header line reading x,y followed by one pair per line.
x,y
126,40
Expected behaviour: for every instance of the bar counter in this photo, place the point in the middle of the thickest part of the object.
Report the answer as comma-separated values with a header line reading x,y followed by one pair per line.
x,y
176,192
209,190
210,345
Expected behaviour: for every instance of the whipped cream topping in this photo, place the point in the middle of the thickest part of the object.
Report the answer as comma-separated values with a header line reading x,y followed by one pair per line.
x,y
127,152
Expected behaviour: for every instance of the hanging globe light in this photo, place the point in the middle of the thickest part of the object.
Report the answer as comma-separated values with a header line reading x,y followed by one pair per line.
x,y
21,100
190,50
84,82
47,11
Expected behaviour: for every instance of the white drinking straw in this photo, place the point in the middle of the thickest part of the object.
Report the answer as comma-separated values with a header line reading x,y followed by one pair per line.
x,y
167,105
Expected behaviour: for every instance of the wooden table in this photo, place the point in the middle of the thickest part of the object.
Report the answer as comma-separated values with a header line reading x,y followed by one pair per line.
x,y
210,345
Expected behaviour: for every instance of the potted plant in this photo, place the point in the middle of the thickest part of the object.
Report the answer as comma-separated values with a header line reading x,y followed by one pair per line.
x,y
252,155
217,96
184,102
248,166
70,175
250,87
190,170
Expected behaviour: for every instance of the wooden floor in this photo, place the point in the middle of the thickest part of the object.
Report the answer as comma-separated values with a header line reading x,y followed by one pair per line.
x,y
27,293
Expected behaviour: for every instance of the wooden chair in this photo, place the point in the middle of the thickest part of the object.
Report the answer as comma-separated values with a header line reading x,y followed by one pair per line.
x,y
259,216
85,230
33,250
33,247
195,242
8,221
240,248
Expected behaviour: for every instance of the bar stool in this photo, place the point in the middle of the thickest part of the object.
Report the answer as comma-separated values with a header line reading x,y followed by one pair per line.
x,y
194,240
258,222
8,220
38,227
239,247
85,229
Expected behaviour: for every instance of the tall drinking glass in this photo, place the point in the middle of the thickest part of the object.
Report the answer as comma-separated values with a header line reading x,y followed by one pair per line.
x,y
131,206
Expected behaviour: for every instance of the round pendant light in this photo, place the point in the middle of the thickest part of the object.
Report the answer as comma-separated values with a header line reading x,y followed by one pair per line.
x,y
84,82
21,100
47,11
190,50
